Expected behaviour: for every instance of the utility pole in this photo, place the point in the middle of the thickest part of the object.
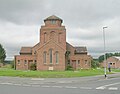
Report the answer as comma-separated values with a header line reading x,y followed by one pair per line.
x,y
105,73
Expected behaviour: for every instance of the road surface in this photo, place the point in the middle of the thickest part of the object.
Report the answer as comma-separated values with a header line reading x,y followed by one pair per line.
x,y
83,85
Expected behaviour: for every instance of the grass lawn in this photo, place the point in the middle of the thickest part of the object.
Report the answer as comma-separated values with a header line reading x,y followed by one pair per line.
x,y
51,74
115,70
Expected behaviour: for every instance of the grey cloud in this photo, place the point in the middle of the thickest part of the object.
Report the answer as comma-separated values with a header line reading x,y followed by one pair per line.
x,y
81,13
83,19
13,37
21,11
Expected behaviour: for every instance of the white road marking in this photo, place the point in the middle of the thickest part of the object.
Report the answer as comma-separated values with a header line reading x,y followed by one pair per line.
x,y
17,84
64,82
37,79
112,84
45,86
35,85
57,86
26,85
101,87
6,83
105,86
85,88
70,87
112,88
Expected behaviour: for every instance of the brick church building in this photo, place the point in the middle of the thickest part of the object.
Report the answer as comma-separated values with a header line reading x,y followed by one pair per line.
x,y
53,52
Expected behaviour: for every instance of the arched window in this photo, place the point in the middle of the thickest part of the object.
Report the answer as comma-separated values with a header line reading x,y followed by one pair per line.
x,y
50,51
52,35
57,57
44,57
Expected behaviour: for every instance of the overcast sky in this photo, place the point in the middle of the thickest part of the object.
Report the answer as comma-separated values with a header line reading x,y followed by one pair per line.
x,y
20,21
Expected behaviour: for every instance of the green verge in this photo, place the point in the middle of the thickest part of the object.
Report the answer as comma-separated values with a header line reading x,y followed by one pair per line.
x,y
51,74
115,70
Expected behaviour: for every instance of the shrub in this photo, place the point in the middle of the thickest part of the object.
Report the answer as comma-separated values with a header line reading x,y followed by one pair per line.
x,y
69,68
33,66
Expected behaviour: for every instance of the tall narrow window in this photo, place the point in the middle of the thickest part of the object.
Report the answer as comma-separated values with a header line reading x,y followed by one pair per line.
x,y
59,37
44,57
35,61
25,62
52,35
78,62
57,57
45,35
86,62
50,56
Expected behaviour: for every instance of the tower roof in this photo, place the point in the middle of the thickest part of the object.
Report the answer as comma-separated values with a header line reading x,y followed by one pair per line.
x,y
53,17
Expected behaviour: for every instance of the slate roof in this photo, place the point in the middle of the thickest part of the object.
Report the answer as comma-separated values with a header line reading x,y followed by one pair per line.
x,y
117,57
68,44
79,50
36,45
26,50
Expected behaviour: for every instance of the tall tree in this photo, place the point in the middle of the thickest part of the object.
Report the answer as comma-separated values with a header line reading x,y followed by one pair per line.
x,y
2,54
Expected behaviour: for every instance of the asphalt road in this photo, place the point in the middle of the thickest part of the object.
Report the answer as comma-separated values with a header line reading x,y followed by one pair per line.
x,y
83,85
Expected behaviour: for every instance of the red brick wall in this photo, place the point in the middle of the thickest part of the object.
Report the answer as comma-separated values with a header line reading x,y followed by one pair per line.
x,y
57,31
115,62
21,65
52,36
84,61
46,48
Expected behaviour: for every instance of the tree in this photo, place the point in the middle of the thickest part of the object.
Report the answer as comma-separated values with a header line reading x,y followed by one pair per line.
x,y
101,58
95,63
2,54
107,55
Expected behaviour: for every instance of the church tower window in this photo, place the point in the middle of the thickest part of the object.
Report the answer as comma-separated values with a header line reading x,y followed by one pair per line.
x,y
59,37
53,22
45,35
50,51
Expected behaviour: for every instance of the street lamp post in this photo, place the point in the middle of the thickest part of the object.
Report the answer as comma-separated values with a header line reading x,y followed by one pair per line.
x,y
104,52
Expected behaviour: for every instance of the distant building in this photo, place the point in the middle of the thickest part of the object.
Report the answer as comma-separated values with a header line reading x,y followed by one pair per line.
x,y
53,52
113,62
